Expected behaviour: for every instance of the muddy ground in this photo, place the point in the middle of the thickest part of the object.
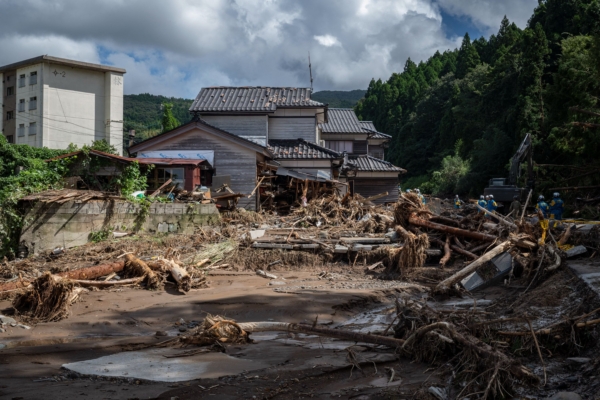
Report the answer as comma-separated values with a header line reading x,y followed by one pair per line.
x,y
283,365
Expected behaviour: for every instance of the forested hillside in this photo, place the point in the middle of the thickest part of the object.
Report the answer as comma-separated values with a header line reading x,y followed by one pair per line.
x,y
457,118
339,99
143,113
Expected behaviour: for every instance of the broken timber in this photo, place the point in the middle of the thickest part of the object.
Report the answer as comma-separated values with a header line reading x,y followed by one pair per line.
x,y
415,220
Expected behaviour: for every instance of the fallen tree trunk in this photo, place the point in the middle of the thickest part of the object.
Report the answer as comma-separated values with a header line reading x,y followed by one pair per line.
x,y
105,284
498,217
179,274
444,285
447,254
450,230
334,333
86,273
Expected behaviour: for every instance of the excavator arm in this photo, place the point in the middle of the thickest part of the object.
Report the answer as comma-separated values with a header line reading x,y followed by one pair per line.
x,y
525,151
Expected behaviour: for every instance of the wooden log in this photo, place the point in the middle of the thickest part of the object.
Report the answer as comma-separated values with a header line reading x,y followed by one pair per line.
x,y
498,217
464,252
376,197
458,243
445,220
451,230
179,274
447,283
447,252
86,273
268,326
105,284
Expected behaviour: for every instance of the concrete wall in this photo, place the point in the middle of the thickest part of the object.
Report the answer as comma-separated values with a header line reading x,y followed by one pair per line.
x,y
70,224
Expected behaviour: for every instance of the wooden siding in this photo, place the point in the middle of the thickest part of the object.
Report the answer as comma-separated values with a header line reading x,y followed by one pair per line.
x,y
241,125
360,147
374,186
376,151
293,128
230,159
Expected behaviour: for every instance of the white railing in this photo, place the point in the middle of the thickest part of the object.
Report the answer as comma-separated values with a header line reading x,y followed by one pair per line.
x,y
32,129
33,79
21,82
33,104
21,131
21,107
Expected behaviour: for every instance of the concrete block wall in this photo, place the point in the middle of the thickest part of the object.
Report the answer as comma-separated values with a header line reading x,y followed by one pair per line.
x,y
48,226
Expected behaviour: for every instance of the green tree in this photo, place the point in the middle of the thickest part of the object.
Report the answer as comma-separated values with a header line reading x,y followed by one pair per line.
x,y
467,58
169,122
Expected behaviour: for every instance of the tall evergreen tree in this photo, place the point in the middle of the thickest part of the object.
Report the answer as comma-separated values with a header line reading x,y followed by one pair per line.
x,y
467,58
169,122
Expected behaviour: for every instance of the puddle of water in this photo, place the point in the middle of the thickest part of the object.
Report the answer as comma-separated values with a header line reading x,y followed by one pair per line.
x,y
152,365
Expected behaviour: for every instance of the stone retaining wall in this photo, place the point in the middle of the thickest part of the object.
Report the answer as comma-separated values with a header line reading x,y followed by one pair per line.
x,y
48,226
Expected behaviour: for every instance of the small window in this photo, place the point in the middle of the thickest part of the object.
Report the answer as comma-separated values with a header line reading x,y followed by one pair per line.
x,y
22,80
32,128
340,146
21,105
21,130
33,103
10,90
33,78
10,139
10,115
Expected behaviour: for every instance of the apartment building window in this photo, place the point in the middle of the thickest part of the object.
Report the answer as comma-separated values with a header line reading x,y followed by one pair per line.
x,y
21,130
10,115
33,78
22,80
32,128
340,145
33,103
10,139
376,154
10,90
21,105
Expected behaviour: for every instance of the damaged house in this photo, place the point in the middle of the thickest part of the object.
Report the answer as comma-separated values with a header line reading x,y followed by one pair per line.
x,y
253,137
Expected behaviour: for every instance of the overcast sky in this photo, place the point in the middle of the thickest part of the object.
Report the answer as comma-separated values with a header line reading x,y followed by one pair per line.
x,y
175,47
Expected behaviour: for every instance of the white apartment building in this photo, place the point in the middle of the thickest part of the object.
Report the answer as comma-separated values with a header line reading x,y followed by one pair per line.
x,y
53,102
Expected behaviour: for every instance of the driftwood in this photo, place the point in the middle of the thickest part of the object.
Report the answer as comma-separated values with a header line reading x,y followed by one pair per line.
x,y
105,284
498,217
136,267
415,220
86,273
444,260
334,333
179,274
447,283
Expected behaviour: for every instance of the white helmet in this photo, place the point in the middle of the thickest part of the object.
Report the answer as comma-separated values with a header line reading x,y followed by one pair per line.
x,y
492,196
481,197
541,198
418,190
487,197
556,194
457,196
408,190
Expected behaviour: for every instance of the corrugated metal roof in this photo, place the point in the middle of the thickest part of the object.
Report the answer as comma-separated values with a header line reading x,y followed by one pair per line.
x,y
341,120
370,128
371,164
251,99
300,149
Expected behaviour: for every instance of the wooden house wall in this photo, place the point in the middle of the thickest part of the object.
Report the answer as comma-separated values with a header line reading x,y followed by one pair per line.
x,y
359,147
230,159
376,150
293,128
241,125
374,186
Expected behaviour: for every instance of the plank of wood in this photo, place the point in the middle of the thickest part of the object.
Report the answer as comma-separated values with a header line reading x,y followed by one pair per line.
x,y
273,246
164,185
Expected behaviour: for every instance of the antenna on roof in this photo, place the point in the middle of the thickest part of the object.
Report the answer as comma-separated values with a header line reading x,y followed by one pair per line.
x,y
310,71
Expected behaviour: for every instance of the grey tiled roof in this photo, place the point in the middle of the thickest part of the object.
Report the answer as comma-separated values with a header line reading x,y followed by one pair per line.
x,y
251,99
370,128
341,120
300,149
371,164
344,120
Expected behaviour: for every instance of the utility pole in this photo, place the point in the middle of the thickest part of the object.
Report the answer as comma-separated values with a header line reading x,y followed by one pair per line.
x,y
310,72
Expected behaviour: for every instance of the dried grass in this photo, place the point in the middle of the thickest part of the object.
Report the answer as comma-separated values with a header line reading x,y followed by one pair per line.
x,y
253,259
214,330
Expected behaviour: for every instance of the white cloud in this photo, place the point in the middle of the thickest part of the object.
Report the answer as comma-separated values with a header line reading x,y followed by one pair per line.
x,y
487,14
176,47
327,40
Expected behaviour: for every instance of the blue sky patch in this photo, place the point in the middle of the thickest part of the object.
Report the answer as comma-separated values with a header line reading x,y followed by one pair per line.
x,y
458,26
